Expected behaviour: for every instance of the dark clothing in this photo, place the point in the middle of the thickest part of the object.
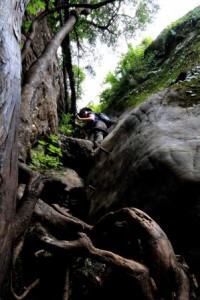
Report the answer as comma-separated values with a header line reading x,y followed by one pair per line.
x,y
92,124
96,130
94,127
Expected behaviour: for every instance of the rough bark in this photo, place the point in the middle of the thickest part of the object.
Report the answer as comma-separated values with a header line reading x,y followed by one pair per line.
x,y
33,79
69,67
11,13
67,61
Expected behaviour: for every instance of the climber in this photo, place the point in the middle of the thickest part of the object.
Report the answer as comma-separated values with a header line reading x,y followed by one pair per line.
x,y
95,128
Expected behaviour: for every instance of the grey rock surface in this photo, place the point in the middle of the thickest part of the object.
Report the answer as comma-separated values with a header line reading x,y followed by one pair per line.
x,y
153,164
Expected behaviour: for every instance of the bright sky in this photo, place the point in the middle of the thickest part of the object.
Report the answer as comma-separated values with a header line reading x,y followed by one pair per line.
x,y
170,11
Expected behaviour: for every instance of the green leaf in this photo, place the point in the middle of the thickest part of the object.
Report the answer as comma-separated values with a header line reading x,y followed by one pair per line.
x,y
26,25
35,6
42,142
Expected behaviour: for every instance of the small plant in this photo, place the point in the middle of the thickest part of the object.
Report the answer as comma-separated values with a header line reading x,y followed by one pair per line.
x,y
47,155
65,126
26,26
50,147
44,161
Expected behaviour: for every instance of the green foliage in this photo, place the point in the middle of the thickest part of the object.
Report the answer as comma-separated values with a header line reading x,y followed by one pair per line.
x,y
144,12
49,145
44,162
121,79
95,107
149,69
35,6
111,79
133,58
105,24
79,79
47,155
65,124
79,75
192,15
26,25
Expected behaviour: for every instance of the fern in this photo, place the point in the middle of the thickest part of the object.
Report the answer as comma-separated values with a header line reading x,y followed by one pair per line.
x,y
65,126
44,162
48,155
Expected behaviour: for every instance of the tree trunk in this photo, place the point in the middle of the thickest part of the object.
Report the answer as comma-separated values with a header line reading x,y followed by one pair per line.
x,y
33,80
66,94
66,49
11,13
69,67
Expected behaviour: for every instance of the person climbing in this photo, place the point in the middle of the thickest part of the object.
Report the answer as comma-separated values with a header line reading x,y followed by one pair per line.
x,y
95,128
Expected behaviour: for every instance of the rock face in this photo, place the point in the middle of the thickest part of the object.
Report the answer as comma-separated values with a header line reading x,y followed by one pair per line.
x,y
172,57
154,164
151,159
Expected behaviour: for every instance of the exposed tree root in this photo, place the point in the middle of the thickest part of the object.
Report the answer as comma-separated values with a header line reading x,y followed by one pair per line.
x,y
148,260
27,291
161,263
136,270
160,257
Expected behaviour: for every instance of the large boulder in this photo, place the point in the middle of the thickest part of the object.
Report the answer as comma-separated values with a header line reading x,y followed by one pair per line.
x,y
151,160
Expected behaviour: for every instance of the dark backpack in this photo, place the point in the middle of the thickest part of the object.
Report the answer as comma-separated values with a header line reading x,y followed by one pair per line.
x,y
104,118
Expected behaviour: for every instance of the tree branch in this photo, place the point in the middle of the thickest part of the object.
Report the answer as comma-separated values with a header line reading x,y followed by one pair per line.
x,y
102,27
45,13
